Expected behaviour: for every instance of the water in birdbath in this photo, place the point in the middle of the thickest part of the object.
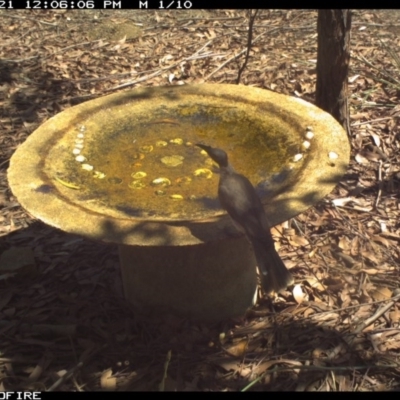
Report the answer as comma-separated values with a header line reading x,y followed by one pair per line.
x,y
152,170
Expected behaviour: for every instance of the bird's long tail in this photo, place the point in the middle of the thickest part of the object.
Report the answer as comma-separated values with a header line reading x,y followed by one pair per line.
x,y
274,274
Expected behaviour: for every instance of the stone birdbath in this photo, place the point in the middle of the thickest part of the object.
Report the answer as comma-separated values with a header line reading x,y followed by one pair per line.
x,y
124,169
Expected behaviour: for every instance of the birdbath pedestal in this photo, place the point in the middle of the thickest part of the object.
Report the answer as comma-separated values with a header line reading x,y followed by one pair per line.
x,y
124,169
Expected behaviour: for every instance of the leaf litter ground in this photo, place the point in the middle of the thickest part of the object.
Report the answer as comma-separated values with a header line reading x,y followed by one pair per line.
x,y
64,322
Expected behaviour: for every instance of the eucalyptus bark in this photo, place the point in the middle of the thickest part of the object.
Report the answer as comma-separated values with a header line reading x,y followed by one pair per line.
x,y
333,60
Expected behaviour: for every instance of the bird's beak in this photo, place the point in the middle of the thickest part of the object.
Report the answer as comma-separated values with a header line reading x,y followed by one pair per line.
x,y
202,146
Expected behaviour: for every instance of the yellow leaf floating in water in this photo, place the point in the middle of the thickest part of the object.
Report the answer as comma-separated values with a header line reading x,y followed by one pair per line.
x,y
136,185
138,175
161,182
99,175
177,141
203,173
146,149
176,197
172,161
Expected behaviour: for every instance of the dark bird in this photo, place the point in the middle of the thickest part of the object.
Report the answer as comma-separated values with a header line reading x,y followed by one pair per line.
x,y
239,198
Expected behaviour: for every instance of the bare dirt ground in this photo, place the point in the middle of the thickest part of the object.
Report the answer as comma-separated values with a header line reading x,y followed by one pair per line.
x,y
64,323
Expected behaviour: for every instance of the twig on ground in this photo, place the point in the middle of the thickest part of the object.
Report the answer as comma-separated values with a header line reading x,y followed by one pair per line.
x,y
317,368
370,121
195,56
361,58
70,373
65,377
16,40
55,52
209,19
237,55
369,321
30,19
378,197
165,374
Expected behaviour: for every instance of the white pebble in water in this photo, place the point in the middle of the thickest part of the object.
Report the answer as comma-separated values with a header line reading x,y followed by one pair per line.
x,y
87,167
297,157
309,135
80,158
306,145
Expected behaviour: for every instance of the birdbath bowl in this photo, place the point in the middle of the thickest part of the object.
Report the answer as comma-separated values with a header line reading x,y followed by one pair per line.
x,y
124,169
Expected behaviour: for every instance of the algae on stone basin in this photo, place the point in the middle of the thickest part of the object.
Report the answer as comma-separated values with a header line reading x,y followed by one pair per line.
x,y
144,164
124,169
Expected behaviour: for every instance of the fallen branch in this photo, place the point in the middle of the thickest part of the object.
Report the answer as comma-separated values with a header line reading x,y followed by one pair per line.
x,y
17,40
71,372
369,321
65,377
238,55
56,52
195,56
371,121
379,69
29,19
252,17
317,368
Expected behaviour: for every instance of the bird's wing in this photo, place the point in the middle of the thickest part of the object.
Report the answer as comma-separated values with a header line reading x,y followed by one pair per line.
x,y
238,196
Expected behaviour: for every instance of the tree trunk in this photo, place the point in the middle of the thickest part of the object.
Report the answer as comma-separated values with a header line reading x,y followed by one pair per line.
x,y
333,59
